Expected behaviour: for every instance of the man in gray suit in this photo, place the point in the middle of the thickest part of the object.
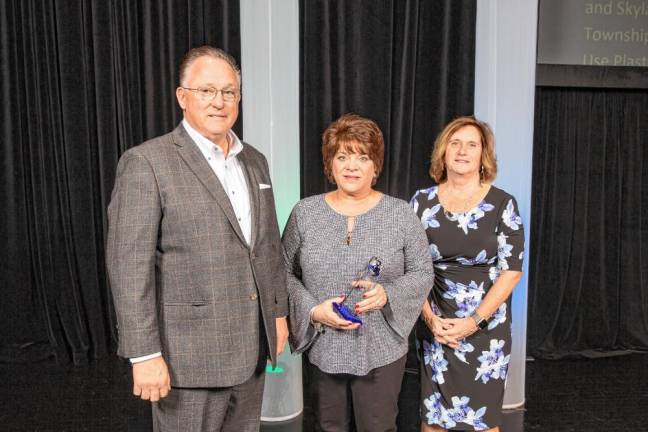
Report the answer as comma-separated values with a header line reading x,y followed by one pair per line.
x,y
194,260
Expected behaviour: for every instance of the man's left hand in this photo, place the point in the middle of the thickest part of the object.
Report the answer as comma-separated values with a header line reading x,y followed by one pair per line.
x,y
282,333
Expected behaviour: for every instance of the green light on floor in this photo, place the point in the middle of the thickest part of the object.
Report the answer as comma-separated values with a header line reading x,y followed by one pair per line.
x,y
276,370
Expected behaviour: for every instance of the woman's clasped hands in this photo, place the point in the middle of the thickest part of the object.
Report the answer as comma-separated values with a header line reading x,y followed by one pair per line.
x,y
450,331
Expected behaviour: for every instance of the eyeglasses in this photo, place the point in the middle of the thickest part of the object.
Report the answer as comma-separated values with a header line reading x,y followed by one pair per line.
x,y
209,93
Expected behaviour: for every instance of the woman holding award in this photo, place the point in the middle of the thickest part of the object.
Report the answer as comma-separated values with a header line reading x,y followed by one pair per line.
x,y
477,243
359,271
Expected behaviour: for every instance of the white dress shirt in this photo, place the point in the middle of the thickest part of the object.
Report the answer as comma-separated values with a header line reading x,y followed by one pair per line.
x,y
230,173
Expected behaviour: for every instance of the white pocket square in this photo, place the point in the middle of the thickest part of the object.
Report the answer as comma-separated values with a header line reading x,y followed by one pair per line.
x,y
264,186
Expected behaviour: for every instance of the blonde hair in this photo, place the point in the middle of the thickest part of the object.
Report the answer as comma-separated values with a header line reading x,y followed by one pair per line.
x,y
488,169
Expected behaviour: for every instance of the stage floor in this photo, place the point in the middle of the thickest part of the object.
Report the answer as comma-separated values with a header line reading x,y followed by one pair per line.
x,y
566,395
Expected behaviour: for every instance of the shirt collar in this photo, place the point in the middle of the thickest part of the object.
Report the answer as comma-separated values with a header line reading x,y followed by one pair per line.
x,y
236,146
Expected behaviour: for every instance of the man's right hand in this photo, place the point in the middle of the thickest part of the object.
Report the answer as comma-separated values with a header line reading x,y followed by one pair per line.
x,y
151,379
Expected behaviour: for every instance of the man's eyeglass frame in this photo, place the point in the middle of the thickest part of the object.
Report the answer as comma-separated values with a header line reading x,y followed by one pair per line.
x,y
210,93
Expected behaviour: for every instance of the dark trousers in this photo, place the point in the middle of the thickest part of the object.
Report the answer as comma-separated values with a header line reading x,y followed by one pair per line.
x,y
370,401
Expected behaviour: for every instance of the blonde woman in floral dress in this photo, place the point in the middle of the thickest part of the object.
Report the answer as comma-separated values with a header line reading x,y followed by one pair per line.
x,y
477,243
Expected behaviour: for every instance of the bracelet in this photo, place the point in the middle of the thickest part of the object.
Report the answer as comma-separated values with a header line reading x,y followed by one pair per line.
x,y
480,321
318,326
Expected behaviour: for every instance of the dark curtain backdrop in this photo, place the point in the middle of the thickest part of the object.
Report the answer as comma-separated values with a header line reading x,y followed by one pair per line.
x,y
407,64
81,82
588,285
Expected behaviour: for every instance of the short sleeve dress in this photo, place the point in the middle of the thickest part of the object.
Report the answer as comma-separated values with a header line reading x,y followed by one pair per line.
x,y
463,388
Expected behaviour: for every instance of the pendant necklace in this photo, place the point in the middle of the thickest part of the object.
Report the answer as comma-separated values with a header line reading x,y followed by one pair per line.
x,y
350,220
349,234
466,205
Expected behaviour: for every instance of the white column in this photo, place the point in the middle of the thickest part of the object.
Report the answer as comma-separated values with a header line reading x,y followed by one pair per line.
x,y
504,97
270,69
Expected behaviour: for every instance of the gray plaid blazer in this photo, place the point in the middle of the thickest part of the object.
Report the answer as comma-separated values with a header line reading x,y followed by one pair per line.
x,y
184,280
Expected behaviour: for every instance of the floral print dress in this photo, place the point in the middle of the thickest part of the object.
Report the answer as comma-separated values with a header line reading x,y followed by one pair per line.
x,y
463,388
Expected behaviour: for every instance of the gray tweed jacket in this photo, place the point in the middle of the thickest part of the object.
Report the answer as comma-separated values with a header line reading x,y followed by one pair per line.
x,y
183,278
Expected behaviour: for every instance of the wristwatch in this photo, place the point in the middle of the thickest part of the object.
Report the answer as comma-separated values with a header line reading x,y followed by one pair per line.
x,y
480,321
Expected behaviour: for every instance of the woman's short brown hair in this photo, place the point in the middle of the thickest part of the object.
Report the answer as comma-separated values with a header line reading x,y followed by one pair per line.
x,y
488,169
355,134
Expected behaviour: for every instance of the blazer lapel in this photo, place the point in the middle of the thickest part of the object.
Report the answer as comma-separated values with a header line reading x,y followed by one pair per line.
x,y
253,188
197,163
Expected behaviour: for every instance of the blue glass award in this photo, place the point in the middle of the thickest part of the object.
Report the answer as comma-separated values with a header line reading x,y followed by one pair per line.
x,y
370,273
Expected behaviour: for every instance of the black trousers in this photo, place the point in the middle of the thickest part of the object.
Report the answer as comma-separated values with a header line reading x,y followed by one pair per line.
x,y
369,401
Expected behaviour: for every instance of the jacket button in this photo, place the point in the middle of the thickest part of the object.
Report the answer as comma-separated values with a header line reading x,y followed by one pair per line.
x,y
253,296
